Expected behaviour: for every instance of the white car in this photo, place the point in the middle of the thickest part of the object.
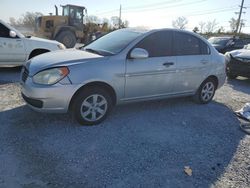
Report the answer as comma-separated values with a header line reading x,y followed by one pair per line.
x,y
16,49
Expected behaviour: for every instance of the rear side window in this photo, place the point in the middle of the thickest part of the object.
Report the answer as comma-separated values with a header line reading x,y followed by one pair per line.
x,y
205,50
186,44
157,44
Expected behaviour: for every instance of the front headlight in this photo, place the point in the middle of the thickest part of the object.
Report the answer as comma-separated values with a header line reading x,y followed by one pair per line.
x,y
61,46
50,76
227,57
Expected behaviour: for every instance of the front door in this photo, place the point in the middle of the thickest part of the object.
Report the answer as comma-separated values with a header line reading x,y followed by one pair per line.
x,y
152,76
11,49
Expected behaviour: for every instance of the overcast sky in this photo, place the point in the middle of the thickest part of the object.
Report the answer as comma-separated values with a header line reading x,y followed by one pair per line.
x,y
150,13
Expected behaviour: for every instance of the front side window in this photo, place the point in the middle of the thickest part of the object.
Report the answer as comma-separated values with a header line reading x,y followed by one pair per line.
x,y
157,44
72,13
79,14
187,44
4,31
65,11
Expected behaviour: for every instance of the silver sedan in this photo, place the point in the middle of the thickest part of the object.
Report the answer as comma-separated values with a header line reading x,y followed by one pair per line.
x,y
123,66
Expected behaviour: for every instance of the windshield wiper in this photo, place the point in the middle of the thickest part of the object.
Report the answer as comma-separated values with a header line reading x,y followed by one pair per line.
x,y
99,52
92,51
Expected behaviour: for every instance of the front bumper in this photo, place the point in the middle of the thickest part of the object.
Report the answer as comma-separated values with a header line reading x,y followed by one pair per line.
x,y
52,99
238,68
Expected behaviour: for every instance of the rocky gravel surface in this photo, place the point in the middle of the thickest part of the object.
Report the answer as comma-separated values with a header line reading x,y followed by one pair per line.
x,y
139,145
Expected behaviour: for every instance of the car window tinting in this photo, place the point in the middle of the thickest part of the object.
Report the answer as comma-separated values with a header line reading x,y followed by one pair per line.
x,y
157,44
4,31
204,48
186,44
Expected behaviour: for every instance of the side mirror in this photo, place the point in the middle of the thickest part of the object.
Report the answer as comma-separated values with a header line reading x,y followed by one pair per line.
x,y
139,53
12,34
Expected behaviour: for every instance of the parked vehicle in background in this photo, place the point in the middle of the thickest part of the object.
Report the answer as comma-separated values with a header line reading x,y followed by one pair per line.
x,y
238,62
15,48
226,44
66,28
123,66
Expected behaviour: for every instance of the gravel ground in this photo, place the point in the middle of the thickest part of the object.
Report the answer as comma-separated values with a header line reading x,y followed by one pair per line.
x,y
140,145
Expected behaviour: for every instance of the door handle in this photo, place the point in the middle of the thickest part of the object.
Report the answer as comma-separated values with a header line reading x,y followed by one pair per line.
x,y
167,64
204,62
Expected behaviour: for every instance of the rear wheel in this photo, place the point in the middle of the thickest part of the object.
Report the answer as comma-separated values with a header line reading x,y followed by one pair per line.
x,y
206,92
91,106
67,38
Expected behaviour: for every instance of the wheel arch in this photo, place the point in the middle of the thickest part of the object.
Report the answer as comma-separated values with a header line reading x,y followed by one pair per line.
x,y
214,78
107,87
37,51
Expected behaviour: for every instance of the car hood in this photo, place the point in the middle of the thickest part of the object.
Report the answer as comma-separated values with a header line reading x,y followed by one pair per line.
x,y
242,53
59,58
37,39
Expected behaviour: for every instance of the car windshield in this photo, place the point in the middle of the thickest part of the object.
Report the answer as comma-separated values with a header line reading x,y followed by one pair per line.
x,y
247,47
218,41
113,43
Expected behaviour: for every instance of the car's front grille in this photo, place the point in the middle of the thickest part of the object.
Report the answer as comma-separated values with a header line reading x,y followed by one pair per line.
x,y
25,74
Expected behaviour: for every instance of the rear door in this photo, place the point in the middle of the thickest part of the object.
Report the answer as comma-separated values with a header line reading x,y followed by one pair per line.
x,y
193,62
152,76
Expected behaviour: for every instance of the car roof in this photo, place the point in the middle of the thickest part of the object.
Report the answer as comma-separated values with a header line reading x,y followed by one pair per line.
x,y
144,30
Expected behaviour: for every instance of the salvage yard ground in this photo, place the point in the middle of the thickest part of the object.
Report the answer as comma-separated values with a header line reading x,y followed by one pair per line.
x,y
140,145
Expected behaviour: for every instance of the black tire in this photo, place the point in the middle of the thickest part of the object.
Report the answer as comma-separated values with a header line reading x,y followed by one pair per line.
x,y
200,97
68,38
83,103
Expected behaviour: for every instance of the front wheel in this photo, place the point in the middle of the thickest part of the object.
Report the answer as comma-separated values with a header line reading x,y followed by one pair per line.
x,y
91,106
206,92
